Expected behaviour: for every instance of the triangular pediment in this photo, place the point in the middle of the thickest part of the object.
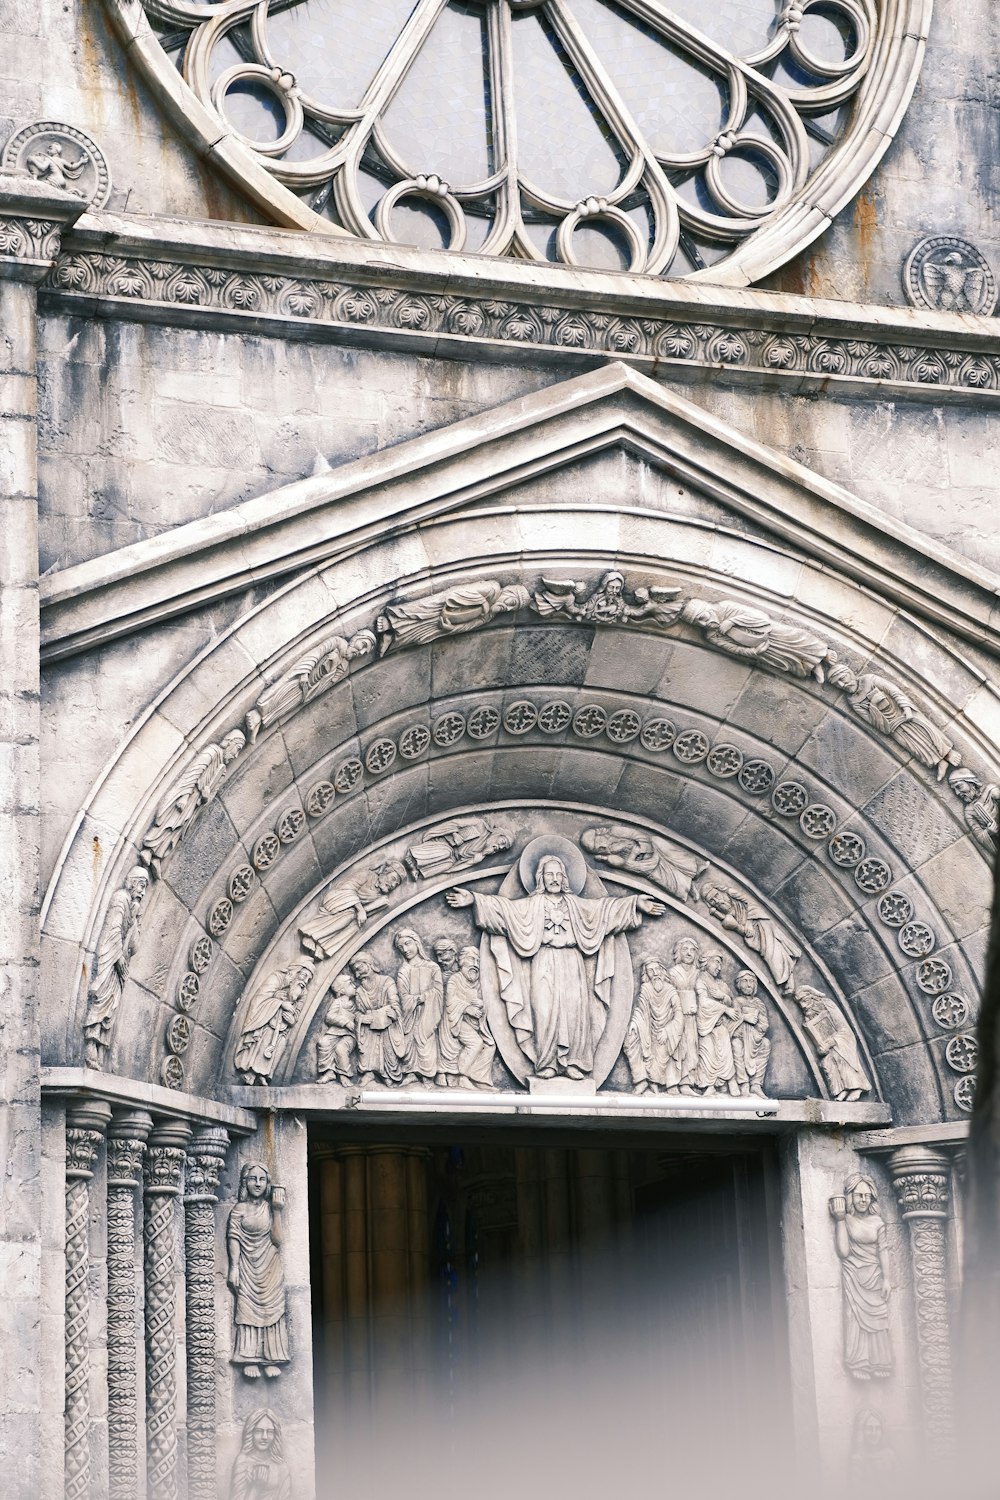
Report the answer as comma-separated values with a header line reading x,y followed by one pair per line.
x,y
492,459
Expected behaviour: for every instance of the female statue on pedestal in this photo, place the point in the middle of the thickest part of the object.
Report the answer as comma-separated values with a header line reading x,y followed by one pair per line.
x,y
256,1278
864,1262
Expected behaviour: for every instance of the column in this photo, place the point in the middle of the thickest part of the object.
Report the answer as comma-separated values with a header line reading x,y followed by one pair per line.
x,y
31,217
84,1132
921,1177
206,1157
126,1147
164,1169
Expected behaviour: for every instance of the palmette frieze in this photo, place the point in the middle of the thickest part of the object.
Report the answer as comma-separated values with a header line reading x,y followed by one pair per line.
x,y
164,288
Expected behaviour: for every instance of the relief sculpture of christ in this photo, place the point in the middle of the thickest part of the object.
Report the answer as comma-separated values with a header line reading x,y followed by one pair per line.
x,y
539,943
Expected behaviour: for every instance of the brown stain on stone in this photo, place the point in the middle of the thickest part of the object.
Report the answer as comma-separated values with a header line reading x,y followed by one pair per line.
x,y
866,229
98,856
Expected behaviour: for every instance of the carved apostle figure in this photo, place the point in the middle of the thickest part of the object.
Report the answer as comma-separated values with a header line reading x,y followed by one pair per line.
x,y
889,711
455,611
716,1007
981,805
260,1471
539,943
683,975
379,1023
751,1043
114,954
760,932
835,1044
445,951
256,1277
859,1233
348,906
653,1041
336,1049
667,865
328,664
742,630
196,786
272,1012
420,985
456,845
466,1047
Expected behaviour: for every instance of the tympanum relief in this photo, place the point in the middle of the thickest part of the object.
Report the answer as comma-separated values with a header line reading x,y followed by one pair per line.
x,y
481,953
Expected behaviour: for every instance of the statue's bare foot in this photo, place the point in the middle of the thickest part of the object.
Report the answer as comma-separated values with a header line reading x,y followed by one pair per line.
x,y
251,1371
575,1073
272,1370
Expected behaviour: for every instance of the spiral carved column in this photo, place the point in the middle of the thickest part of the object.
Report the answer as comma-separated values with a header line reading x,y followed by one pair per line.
x,y
84,1132
164,1168
126,1146
205,1159
921,1177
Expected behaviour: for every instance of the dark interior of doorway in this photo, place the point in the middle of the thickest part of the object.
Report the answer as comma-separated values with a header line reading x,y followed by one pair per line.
x,y
486,1266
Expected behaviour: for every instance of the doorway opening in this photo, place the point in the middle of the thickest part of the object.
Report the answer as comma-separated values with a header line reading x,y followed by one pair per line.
x,y
467,1279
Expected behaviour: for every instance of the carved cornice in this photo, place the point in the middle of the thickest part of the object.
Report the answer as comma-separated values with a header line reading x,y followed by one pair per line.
x,y
464,307
33,216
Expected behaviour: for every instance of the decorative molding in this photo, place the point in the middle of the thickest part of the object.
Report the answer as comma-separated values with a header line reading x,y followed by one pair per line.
x,y
127,1136
164,1167
206,1157
85,1127
863,358
33,217
922,1178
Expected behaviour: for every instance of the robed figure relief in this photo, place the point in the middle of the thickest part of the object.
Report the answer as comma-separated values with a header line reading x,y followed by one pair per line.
x,y
859,1233
256,1278
555,956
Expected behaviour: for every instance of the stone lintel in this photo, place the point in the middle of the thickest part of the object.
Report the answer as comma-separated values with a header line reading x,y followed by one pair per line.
x,y
73,1084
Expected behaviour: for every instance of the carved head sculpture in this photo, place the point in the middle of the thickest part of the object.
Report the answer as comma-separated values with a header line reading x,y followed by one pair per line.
x,y
513,596
343,986
653,972
262,1436
613,583
298,978
137,883
717,900
468,963
232,744
861,1195
965,784
361,967
869,1430
699,612
842,676
810,1001
362,644
255,1180
746,982
551,878
409,944
712,962
685,951
499,840
390,876
446,952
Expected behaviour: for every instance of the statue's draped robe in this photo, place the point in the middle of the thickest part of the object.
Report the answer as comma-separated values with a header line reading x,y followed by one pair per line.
x,y
381,1043
466,1047
420,984
867,1349
265,1029
452,613
715,1044
655,1035
751,1044
259,1317
111,968
539,944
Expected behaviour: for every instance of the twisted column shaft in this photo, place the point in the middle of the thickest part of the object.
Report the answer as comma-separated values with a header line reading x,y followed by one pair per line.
x,y
84,1132
164,1166
921,1177
126,1146
205,1159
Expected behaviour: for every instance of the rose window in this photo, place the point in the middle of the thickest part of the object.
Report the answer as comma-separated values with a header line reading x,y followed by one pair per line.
x,y
614,134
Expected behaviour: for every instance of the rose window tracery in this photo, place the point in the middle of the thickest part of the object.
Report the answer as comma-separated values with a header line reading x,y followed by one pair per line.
x,y
614,134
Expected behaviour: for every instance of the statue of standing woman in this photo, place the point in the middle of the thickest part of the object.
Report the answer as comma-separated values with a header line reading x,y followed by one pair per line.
x,y
859,1232
256,1277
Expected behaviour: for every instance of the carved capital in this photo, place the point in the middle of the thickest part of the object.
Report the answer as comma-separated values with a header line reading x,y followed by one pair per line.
x,y
127,1135
206,1157
165,1158
921,1177
32,219
85,1126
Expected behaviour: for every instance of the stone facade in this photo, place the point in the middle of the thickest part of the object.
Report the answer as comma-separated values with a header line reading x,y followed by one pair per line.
x,y
481,688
